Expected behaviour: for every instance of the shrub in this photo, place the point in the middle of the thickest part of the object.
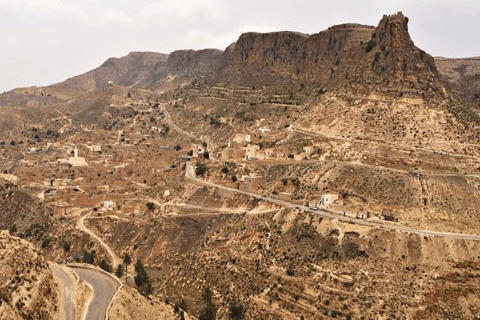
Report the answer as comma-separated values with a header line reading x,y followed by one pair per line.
x,y
225,170
291,156
150,206
236,312
370,45
66,246
234,178
105,266
290,271
89,257
206,155
376,58
201,169
46,243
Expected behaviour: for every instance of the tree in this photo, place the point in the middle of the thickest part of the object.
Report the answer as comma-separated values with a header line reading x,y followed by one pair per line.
x,y
141,279
207,295
204,144
119,271
236,312
234,178
206,155
127,260
209,310
225,170
183,304
150,206
177,147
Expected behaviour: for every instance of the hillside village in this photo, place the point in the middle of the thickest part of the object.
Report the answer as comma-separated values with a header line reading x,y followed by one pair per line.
x,y
290,176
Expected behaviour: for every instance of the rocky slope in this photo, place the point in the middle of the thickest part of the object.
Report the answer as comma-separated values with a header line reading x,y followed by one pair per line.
x,y
462,76
125,71
27,287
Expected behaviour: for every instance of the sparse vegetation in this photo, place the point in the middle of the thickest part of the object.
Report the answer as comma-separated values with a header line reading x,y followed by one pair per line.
x,y
142,280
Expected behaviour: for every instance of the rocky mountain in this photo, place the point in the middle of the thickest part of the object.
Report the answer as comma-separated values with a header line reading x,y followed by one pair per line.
x,y
363,58
366,58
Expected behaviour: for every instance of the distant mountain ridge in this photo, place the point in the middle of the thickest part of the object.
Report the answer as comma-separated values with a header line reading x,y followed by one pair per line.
x,y
363,58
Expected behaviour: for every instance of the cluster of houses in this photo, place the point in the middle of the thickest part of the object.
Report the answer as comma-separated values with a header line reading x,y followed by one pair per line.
x,y
258,146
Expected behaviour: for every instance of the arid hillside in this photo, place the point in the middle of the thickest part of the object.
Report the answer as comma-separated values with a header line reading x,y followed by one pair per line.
x,y
462,77
27,287
296,176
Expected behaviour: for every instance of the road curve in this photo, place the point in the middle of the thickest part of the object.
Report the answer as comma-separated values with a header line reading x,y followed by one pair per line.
x,y
81,226
68,292
104,289
190,174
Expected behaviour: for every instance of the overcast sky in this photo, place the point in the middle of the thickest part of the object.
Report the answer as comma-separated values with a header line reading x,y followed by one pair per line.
x,y
48,41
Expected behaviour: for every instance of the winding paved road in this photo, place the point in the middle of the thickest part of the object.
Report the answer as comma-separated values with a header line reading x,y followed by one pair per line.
x,y
68,292
104,289
190,174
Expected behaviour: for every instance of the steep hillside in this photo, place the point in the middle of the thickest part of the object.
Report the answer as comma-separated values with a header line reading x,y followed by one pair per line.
x,y
125,71
27,287
462,76
361,57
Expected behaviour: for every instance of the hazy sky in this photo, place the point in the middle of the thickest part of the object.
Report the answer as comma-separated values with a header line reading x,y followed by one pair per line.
x,y
47,41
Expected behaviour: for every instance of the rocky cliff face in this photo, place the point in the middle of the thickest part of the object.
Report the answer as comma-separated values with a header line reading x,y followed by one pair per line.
x,y
190,63
361,57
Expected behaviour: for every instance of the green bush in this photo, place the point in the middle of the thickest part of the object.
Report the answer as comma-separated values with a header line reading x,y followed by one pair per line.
x,y
370,45
46,243
105,266
150,206
201,169
236,312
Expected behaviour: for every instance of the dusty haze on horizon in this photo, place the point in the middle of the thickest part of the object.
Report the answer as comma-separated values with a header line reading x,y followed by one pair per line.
x,y
47,41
